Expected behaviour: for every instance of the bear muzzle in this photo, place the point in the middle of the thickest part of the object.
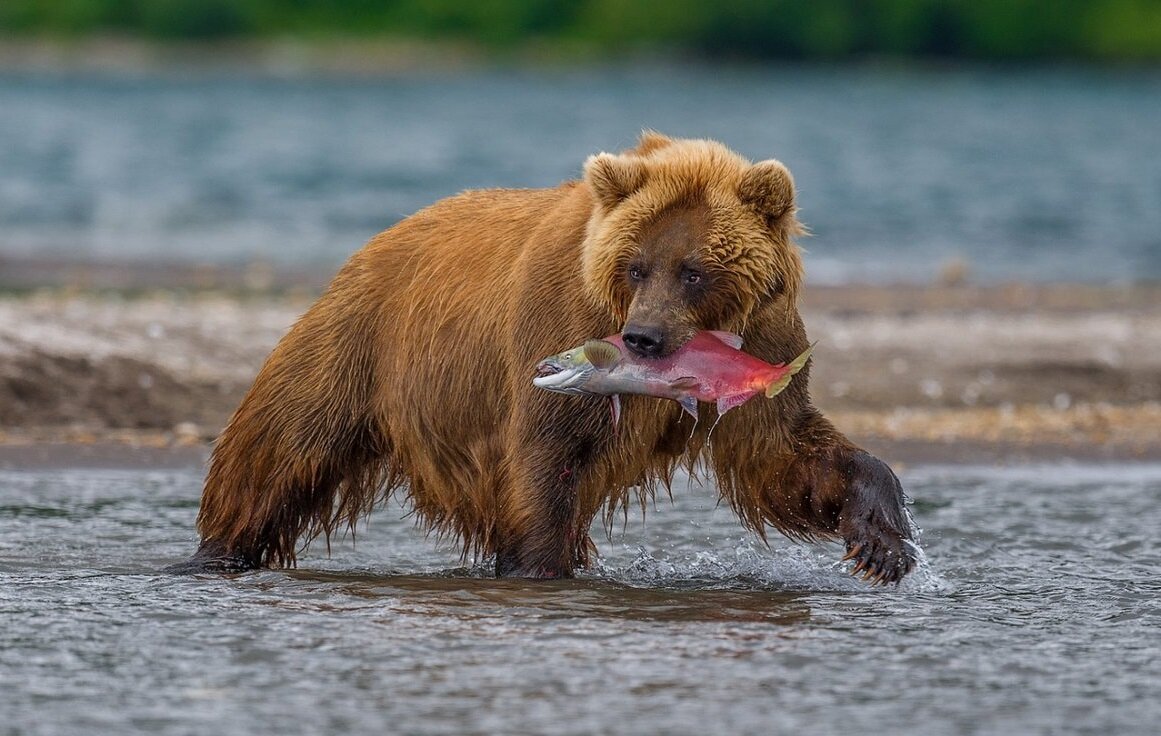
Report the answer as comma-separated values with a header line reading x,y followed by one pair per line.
x,y
646,341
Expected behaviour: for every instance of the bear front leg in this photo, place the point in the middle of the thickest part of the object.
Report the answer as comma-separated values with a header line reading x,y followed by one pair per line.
x,y
545,539
545,531
870,518
855,494
816,484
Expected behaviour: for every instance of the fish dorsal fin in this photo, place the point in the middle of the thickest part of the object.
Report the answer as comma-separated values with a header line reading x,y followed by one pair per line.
x,y
601,353
791,368
726,403
685,383
729,338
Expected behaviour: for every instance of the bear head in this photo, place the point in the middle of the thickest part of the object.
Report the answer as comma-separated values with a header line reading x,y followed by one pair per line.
x,y
686,235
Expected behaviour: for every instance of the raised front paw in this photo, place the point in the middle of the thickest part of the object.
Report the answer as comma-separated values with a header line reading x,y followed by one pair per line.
x,y
880,556
874,524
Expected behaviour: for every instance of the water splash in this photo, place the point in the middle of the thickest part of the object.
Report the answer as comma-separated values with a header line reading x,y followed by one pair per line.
x,y
751,565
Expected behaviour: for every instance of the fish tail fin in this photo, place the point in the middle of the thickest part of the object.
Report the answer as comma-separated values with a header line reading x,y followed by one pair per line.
x,y
792,367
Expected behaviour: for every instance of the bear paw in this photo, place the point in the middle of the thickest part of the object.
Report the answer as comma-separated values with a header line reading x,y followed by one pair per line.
x,y
211,559
874,523
880,557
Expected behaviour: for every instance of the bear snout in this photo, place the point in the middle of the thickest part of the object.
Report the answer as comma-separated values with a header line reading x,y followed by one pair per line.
x,y
645,341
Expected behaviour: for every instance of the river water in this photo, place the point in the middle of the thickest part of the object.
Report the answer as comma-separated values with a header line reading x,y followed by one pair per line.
x,y
1027,173
1037,610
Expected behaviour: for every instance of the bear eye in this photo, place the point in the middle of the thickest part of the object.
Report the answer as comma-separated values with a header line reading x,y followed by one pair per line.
x,y
691,278
636,273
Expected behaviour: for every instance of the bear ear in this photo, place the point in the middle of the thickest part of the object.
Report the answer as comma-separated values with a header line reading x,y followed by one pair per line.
x,y
613,178
651,141
768,187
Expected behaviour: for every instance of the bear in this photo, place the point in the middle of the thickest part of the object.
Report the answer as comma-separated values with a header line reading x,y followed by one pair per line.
x,y
413,372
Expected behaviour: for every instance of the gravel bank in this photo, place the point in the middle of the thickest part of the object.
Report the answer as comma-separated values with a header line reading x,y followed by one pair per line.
x,y
1072,368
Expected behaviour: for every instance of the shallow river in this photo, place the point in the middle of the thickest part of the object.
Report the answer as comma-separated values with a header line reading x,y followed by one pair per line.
x,y
1038,610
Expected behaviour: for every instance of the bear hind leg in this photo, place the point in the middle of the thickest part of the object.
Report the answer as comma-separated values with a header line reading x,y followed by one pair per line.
x,y
267,487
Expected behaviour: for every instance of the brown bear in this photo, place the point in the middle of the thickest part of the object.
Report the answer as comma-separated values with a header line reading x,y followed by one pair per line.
x,y
414,371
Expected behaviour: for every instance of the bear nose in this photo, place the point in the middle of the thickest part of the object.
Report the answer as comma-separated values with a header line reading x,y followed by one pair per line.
x,y
646,342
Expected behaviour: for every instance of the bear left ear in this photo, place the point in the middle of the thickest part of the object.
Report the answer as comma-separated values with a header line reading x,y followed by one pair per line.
x,y
613,178
768,187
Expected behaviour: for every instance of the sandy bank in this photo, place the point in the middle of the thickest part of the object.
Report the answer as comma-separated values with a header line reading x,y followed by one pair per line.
x,y
965,372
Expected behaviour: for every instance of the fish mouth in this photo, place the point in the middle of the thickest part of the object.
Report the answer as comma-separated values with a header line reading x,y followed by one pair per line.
x,y
548,367
551,374
555,376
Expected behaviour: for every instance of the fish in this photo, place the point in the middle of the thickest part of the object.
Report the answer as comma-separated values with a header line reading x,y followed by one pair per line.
x,y
710,367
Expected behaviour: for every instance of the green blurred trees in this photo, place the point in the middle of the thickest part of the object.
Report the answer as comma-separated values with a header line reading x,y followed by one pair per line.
x,y
1120,30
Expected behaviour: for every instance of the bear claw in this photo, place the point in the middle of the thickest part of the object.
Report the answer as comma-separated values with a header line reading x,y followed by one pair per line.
x,y
878,564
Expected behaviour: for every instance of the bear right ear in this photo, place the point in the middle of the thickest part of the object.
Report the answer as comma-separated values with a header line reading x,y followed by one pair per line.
x,y
613,178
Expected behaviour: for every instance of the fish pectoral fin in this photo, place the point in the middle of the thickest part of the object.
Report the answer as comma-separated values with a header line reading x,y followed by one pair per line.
x,y
726,403
791,368
615,409
601,353
729,338
685,386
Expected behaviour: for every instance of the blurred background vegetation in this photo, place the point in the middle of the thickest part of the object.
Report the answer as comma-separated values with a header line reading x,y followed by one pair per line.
x,y
1088,30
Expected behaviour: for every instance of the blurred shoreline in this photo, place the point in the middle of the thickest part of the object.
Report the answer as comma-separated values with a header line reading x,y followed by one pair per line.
x,y
141,364
262,57
357,56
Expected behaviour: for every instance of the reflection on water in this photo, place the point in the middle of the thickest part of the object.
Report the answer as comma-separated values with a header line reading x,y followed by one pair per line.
x,y
1037,612
473,598
1038,173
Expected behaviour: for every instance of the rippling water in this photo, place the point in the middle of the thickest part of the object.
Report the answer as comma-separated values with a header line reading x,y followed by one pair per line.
x,y
1036,173
1038,611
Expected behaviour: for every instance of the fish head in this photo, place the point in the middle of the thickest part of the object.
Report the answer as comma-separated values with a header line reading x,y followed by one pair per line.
x,y
571,371
565,373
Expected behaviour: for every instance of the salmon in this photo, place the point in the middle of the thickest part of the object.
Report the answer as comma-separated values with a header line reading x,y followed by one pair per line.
x,y
710,367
